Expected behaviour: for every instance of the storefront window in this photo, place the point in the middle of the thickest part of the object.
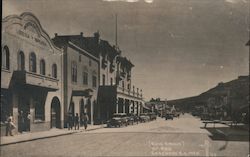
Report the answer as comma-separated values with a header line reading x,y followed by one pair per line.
x,y
39,111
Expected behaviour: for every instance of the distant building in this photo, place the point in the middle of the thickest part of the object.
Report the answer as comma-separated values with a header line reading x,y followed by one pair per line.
x,y
31,75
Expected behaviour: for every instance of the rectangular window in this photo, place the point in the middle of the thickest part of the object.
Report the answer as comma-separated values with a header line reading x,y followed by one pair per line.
x,y
85,78
94,81
103,80
74,72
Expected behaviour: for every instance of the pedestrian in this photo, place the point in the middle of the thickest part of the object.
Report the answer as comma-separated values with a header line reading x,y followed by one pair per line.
x,y
70,121
10,126
85,120
21,124
76,121
28,121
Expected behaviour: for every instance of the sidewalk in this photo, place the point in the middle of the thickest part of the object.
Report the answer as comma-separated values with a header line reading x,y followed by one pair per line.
x,y
24,137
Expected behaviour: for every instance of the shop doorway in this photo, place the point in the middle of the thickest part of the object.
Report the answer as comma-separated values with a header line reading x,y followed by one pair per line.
x,y
23,114
55,113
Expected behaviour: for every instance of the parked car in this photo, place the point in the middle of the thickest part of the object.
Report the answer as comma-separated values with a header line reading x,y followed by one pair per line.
x,y
133,118
177,114
118,120
152,116
130,120
144,118
169,116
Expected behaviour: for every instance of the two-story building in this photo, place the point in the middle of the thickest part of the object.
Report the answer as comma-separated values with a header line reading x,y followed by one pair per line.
x,y
31,75
81,75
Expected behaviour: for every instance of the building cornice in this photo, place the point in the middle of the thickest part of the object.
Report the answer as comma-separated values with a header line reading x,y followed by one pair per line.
x,y
84,51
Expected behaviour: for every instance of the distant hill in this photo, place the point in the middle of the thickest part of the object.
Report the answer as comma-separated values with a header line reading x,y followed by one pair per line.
x,y
234,93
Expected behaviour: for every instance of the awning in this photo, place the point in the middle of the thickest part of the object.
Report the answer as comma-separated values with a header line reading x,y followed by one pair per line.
x,y
86,92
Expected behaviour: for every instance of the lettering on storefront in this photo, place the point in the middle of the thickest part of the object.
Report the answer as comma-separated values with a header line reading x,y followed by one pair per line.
x,y
31,37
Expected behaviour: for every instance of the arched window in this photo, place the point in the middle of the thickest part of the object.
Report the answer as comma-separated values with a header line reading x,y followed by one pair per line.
x,y
6,58
54,71
21,61
74,72
32,62
42,67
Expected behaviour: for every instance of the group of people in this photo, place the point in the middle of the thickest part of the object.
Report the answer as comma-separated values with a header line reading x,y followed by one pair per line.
x,y
76,121
24,121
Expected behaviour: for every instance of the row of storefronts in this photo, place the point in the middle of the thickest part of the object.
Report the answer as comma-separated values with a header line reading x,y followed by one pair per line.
x,y
45,80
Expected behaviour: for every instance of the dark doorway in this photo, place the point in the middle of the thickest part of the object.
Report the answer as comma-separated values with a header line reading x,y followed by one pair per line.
x,y
55,113
23,113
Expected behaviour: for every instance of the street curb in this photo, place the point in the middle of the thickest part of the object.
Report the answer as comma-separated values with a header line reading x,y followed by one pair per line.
x,y
39,138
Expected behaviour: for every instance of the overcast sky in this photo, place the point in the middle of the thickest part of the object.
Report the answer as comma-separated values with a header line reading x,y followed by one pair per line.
x,y
180,48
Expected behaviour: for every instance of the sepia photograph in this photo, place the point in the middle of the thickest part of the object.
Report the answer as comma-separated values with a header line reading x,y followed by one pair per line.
x,y
125,78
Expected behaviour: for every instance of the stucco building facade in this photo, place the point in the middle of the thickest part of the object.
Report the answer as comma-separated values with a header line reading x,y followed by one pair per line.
x,y
81,76
31,75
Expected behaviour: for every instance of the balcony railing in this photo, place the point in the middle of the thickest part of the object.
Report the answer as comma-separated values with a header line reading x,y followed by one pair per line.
x,y
128,92
104,63
112,67
123,74
29,78
129,76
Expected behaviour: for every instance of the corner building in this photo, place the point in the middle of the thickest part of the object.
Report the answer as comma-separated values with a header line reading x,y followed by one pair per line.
x,y
31,75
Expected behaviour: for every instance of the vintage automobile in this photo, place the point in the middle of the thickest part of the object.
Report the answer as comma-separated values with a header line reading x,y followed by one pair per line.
x,y
133,118
177,114
118,120
130,120
169,115
152,116
144,117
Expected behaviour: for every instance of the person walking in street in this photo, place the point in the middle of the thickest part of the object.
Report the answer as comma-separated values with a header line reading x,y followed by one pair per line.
x,y
10,126
85,120
76,121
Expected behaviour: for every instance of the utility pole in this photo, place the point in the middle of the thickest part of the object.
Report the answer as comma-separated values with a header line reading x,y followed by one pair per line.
x,y
116,43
